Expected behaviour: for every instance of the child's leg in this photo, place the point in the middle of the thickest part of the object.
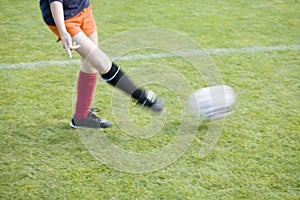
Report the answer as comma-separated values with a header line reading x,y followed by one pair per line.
x,y
93,56
86,85
112,74
86,66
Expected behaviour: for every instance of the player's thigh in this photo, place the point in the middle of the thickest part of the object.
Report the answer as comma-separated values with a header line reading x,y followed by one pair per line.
x,y
86,66
90,52
94,37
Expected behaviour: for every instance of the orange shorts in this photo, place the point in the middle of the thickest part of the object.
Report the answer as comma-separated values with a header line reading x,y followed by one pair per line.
x,y
84,21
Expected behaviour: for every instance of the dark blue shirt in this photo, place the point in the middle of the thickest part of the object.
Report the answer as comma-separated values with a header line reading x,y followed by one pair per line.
x,y
71,9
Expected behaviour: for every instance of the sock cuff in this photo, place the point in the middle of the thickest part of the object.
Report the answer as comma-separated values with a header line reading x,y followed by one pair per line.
x,y
88,76
112,73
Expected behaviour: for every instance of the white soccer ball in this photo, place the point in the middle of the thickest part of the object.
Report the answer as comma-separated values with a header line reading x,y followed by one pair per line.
x,y
211,103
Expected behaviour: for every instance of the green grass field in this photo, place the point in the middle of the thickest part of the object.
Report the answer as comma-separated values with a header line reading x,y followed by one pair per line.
x,y
256,156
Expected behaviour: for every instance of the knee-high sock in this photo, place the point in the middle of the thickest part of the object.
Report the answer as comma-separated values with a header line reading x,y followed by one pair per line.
x,y
116,77
85,93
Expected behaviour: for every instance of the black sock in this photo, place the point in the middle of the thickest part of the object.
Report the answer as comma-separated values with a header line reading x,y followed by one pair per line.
x,y
116,77
137,93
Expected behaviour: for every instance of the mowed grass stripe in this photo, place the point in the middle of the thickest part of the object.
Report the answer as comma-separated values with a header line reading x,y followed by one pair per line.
x,y
218,51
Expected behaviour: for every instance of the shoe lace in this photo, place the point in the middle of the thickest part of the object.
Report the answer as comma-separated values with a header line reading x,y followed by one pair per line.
x,y
93,112
150,98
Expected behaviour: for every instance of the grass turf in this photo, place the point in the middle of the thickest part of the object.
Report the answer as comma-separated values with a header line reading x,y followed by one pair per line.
x,y
256,157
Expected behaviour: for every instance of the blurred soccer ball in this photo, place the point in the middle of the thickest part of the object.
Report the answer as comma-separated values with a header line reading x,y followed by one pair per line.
x,y
211,103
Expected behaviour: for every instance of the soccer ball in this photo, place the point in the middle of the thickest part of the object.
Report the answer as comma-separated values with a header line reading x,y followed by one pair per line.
x,y
211,103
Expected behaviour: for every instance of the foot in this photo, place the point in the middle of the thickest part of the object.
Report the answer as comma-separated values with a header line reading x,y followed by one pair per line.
x,y
150,100
92,121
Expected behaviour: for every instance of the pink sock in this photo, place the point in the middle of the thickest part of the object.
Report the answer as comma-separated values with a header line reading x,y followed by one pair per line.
x,y
85,93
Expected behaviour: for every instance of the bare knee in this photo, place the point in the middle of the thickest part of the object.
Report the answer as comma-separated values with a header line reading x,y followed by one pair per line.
x,y
87,67
98,60
92,56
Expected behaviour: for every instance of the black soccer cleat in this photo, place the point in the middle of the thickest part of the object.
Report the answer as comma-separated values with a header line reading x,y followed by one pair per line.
x,y
91,121
150,100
